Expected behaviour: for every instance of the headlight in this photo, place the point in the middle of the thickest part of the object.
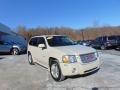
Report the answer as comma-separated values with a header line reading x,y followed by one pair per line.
x,y
69,59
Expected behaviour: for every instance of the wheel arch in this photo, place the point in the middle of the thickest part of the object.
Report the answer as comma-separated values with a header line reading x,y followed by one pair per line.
x,y
13,48
51,59
62,77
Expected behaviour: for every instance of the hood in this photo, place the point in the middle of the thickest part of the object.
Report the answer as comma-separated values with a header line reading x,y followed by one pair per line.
x,y
75,49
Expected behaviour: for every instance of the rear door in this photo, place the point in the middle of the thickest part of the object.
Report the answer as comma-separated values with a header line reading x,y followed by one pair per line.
x,y
33,47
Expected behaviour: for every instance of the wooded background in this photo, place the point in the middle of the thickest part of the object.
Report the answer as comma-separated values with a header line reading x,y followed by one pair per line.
x,y
76,34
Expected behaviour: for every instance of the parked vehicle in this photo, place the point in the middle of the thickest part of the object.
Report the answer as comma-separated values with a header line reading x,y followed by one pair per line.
x,y
105,42
12,44
62,56
85,42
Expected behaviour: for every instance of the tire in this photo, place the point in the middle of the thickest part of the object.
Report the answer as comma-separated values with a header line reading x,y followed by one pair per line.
x,y
102,47
55,72
30,59
15,51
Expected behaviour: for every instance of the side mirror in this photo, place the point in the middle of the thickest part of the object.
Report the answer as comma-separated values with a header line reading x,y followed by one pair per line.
x,y
41,45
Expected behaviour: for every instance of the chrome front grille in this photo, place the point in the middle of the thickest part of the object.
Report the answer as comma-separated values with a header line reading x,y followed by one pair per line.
x,y
86,58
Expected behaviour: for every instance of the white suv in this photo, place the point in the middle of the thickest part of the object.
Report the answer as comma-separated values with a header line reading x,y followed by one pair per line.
x,y
62,56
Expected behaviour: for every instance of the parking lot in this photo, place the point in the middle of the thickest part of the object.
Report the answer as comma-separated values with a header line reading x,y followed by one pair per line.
x,y
17,74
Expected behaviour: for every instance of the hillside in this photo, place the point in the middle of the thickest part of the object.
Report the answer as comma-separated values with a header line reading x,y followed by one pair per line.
x,y
92,33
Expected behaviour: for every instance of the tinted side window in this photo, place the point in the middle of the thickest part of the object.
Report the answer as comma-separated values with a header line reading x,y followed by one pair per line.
x,y
104,38
33,42
101,39
118,37
40,40
111,38
98,39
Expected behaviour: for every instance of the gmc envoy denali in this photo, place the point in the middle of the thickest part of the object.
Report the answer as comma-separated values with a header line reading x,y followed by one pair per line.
x,y
62,56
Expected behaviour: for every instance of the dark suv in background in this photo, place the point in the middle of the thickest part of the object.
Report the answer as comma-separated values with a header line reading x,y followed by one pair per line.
x,y
105,42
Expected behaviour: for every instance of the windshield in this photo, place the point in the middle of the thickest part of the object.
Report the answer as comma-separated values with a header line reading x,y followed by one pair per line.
x,y
60,41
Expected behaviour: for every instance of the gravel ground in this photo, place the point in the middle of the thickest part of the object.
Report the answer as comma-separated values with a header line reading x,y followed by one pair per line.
x,y
17,74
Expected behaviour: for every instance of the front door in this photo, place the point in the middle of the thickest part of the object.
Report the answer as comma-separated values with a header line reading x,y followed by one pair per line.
x,y
41,53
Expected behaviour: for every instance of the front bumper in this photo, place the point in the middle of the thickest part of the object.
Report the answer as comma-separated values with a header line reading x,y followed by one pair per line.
x,y
70,69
